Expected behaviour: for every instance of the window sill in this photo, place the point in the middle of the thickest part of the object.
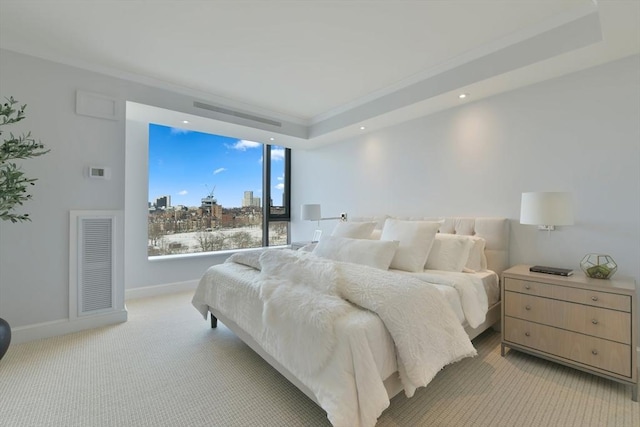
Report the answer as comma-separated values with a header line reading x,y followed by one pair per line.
x,y
215,254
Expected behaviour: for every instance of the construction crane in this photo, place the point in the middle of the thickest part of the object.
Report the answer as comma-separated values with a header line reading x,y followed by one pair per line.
x,y
210,200
210,194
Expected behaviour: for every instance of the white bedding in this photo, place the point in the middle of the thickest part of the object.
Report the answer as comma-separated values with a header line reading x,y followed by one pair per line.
x,y
349,385
469,294
489,281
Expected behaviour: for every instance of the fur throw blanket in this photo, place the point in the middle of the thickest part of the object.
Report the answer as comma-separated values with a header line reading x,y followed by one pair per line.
x,y
305,296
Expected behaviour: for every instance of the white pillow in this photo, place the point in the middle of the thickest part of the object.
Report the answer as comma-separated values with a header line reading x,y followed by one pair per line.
x,y
376,234
415,239
379,220
449,252
477,260
354,230
374,253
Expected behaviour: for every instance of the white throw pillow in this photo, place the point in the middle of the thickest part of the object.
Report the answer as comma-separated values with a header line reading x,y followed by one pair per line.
x,y
449,252
379,220
477,260
354,230
375,234
374,253
415,239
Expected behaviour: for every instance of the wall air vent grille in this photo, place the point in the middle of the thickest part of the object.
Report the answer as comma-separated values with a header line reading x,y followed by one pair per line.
x,y
95,266
96,282
238,114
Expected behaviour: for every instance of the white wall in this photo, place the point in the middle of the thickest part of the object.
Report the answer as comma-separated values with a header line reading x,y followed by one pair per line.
x,y
579,133
34,256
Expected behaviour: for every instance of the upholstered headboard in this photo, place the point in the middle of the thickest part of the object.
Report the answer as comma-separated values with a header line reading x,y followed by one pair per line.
x,y
495,231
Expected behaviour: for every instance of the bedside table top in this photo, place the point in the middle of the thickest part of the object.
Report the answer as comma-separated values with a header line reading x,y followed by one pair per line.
x,y
578,279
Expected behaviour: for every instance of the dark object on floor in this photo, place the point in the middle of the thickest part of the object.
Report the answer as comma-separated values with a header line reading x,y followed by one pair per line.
x,y
5,336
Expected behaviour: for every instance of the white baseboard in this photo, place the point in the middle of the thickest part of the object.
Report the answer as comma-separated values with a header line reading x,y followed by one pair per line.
x,y
152,291
54,328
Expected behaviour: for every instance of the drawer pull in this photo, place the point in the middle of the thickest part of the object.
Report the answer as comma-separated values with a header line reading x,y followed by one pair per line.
x,y
594,298
594,321
527,307
527,334
594,352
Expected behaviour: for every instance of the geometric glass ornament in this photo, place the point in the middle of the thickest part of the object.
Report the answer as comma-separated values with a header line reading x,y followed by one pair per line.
x,y
598,266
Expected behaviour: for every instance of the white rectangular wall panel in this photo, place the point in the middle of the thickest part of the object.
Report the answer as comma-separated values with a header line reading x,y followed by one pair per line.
x,y
96,105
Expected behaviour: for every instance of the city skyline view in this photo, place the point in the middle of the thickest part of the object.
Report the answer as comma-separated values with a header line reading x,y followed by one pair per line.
x,y
189,165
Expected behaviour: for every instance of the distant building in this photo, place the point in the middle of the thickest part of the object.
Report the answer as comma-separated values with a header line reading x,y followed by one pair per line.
x,y
163,202
210,208
249,201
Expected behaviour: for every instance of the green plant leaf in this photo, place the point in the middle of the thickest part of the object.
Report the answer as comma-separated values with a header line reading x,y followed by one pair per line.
x,y
13,182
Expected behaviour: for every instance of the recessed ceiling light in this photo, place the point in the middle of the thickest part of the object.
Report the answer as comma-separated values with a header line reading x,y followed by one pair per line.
x,y
362,128
186,122
272,139
463,95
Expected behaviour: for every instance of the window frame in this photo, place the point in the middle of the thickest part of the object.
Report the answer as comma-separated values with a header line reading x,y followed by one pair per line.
x,y
267,215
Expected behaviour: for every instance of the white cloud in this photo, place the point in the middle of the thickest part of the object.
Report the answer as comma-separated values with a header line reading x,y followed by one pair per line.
x,y
178,131
243,145
280,187
217,171
183,193
277,154
280,178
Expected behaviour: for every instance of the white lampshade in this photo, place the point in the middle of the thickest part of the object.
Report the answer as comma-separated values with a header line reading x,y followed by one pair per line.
x,y
546,208
311,212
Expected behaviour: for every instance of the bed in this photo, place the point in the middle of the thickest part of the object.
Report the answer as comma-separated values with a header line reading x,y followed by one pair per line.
x,y
357,333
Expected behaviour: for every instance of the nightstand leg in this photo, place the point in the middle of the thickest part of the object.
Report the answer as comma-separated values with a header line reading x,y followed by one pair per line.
x,y
634,392
502,350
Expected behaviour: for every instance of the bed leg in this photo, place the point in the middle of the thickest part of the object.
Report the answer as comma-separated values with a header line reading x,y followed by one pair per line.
x,y
214,321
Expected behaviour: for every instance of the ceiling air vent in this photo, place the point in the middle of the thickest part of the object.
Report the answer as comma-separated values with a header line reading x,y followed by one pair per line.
x,y
238,114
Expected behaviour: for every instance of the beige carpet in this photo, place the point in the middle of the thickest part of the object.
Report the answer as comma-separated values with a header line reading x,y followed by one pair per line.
x,y
166,367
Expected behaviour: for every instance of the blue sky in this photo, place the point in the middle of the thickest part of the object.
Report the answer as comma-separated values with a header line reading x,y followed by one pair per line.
x,y
187,165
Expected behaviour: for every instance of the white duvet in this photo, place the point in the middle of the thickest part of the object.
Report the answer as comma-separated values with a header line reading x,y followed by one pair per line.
x,y
313,323
473,296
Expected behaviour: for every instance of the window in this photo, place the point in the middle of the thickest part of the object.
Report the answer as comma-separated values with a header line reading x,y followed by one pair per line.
x,y
208,192
277,170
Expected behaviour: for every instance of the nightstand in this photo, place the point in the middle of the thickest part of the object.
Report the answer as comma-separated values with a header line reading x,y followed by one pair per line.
x,y
585,323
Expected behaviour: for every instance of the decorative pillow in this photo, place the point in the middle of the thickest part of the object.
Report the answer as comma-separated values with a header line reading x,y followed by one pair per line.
x,y
375,234
379,220
374,253
449,252
354,230
415,239
477,260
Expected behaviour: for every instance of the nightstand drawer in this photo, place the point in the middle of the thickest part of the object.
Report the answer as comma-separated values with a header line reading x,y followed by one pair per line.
x,y
599,322
591,351
580,296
